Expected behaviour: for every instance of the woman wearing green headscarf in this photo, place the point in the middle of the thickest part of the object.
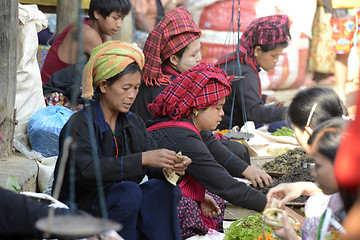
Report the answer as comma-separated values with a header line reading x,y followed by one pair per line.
x,y
125,150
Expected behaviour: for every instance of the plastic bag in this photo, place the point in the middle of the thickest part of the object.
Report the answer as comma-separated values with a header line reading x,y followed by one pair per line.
x,y
44,129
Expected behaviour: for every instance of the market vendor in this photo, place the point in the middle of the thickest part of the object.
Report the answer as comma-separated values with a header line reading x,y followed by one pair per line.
x,y
123,147
190,104
260,47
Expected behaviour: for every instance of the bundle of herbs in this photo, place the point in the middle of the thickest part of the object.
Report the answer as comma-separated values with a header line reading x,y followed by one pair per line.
x,y
248,228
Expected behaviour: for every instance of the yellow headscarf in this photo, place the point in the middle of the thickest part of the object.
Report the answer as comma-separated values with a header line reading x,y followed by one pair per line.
x,y
106,61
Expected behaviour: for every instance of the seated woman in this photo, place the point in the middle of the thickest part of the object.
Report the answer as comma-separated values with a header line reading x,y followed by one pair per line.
x,y
323,143
260,47
192,103
168,55
123,147
309,108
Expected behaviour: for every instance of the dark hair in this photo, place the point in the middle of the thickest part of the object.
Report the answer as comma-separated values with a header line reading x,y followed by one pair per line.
x,y
266,48
179,54
106,7
131,68
327,137
328,106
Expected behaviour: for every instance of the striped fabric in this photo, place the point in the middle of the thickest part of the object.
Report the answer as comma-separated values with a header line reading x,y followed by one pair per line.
x,y
202,86
106,61
192,189
174,32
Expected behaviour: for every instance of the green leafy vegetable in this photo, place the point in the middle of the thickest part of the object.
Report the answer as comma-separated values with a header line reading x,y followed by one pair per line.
x,y
248,228
283,131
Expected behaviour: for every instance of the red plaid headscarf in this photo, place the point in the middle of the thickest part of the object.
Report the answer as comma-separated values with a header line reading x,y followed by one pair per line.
x,y
268,31
199,87
175,31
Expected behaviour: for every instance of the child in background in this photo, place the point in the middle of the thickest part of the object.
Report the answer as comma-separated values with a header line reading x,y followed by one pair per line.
x,y
105,19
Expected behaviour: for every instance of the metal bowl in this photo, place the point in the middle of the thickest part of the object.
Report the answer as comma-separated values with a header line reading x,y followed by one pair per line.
x,y
75,226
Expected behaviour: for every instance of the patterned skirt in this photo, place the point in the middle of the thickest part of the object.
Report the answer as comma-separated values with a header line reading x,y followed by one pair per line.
x,y
191,221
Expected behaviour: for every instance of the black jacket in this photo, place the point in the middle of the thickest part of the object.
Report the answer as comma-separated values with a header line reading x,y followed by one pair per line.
x,y
120,161
255,109
214,175
18,215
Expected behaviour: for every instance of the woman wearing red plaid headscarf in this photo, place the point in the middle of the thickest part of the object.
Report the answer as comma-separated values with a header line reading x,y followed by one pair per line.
x,y
260,47
172,47
190,104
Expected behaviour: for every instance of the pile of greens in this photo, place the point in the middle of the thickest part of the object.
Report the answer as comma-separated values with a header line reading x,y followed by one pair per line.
x,y
248,228
283,131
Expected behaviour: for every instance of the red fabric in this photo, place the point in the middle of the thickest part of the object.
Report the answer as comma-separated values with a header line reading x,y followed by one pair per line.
x,y
219,136
347,162
174,32
167,124
200,87
52,61
192,189
266,31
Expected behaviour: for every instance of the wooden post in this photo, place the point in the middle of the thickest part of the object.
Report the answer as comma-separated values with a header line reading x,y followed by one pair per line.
x,y
9,22
66,13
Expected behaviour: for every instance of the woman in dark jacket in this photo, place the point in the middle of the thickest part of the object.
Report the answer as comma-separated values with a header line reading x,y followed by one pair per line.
x,y
190,104
260,47
123,147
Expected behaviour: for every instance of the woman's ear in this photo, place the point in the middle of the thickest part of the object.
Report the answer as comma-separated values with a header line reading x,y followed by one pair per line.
x,y
257,51
103,86
174,60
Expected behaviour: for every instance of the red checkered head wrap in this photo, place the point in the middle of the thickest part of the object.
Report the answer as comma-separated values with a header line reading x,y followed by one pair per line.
x,y
174,32
199,87
269,31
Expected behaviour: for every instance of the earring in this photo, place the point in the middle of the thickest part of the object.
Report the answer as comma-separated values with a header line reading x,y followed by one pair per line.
x,y
256,54
196,113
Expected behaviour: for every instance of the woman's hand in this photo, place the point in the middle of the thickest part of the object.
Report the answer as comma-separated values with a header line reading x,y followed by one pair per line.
x,y
270,98
257,177
160,158
287,232
164,158
287,192
209,207
180,167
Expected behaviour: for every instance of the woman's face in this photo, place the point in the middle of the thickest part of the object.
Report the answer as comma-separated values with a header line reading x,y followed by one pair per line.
x,y
302,136
267,60
120,96
209,118
190,58
323,172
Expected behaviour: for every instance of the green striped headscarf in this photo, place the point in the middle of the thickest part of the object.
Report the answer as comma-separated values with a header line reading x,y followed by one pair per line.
x,y
108,60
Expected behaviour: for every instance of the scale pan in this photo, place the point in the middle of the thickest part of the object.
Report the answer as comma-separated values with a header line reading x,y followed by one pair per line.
x,y
238,135
76,226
